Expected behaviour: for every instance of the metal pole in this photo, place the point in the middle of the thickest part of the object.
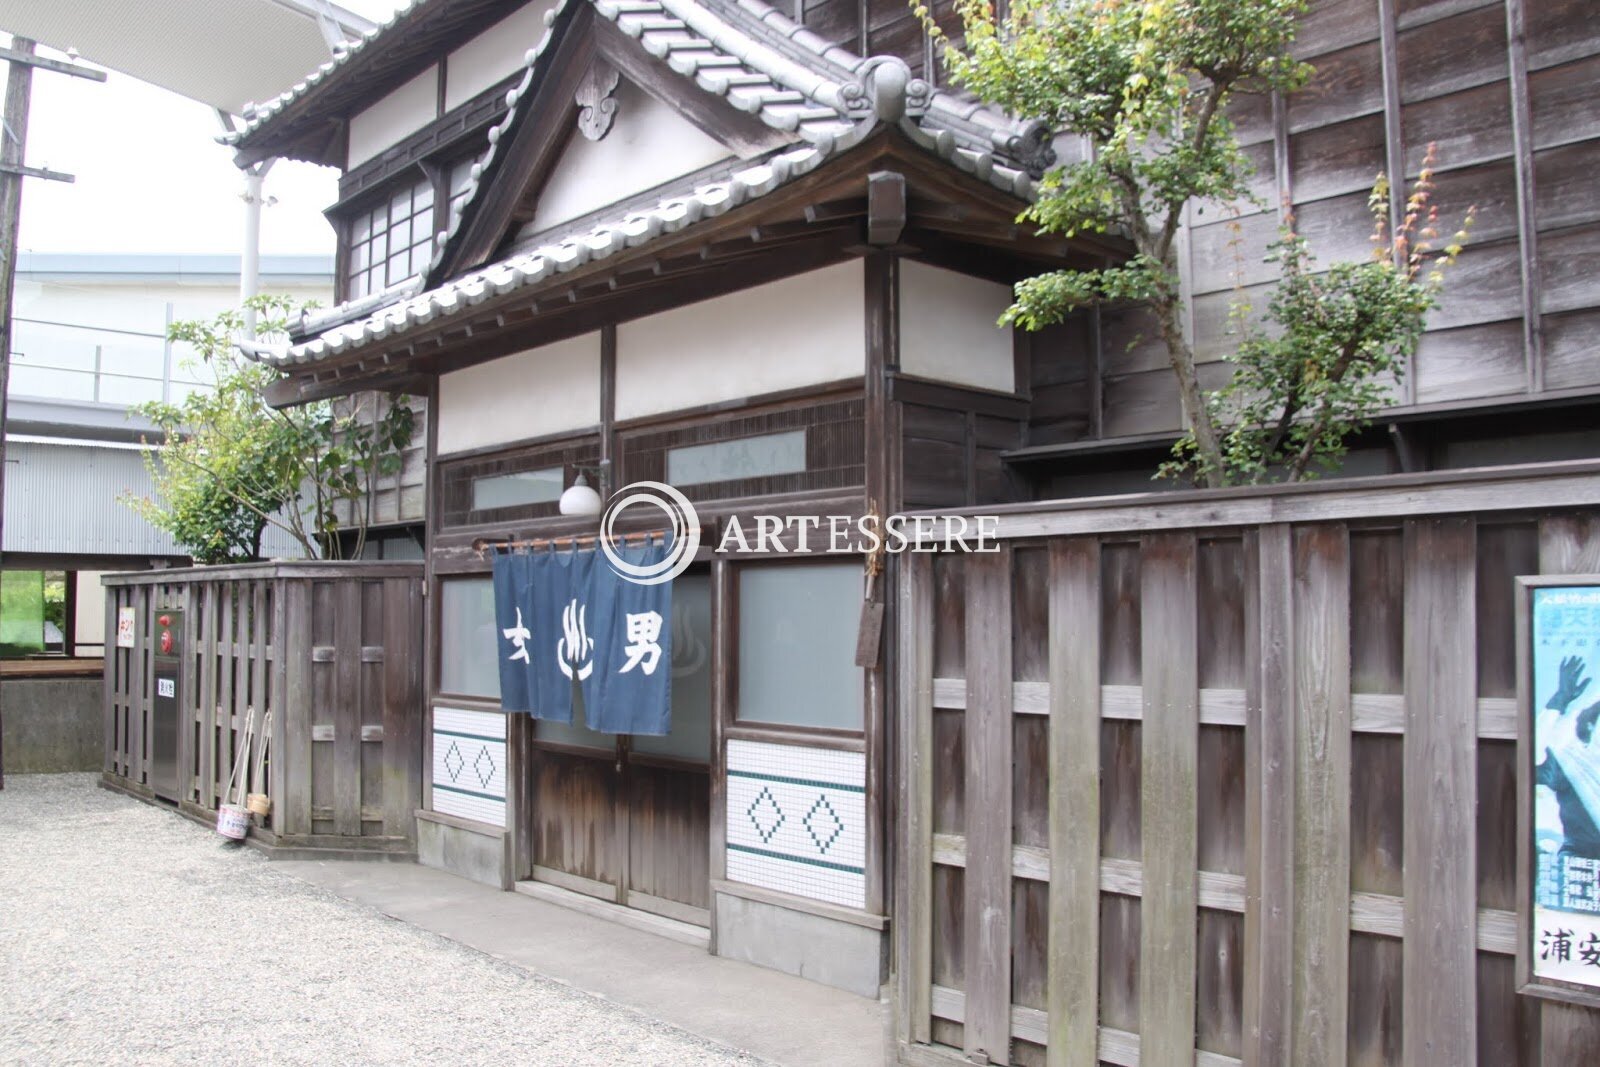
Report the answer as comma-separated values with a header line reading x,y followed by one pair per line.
x,y
250,260
13,135
13,141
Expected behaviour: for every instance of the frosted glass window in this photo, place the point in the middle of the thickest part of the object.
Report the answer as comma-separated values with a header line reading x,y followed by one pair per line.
x,y
690,738
518,488
747,457
467,646
797,644
577,734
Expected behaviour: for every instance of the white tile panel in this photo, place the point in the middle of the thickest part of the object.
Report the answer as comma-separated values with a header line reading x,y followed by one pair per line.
x,y
469,765
796,820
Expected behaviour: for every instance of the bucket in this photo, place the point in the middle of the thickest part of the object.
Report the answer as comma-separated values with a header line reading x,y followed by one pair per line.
x,y
258,803
232,821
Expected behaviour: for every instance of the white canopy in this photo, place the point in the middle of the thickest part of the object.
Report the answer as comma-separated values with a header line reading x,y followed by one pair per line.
x,y
224,53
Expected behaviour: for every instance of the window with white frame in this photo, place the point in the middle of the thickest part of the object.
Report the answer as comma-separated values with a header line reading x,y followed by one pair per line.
x,y
391,240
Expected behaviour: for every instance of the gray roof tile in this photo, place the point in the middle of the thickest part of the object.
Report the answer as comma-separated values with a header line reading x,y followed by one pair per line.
x,y
830,98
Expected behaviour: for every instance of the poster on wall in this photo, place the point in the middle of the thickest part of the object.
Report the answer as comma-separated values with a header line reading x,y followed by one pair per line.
x,y
125,624
1561,775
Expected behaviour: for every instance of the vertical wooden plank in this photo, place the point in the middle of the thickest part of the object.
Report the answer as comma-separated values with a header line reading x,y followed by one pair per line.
x,y
1269,792
227,594
402,700
1527,220
913,911
108,683
1394,140
203,632
1282,169
1441,765
1321,908
278,754
987,938
1073,953
1169,752
347,707
188,712
260,668
144,641
297,703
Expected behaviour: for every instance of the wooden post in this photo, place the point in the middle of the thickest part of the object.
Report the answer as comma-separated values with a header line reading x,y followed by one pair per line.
x,y
1169,800
987,945
1073,952
1441,794
1320,675
913,912
1270,794
13,148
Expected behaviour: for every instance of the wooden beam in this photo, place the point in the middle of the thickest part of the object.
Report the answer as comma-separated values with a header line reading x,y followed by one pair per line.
x,y
36,172
28,58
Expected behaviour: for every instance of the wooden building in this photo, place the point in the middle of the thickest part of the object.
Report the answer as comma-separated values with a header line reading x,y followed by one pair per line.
x,y
707,242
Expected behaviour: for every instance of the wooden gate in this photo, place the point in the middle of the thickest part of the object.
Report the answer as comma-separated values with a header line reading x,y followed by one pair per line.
x,y
1227,777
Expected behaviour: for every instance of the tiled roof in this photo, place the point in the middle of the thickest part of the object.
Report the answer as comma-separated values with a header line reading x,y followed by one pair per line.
x,y
778,71
257,114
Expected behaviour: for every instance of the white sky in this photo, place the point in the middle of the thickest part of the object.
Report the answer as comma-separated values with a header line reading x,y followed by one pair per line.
x,y
151,179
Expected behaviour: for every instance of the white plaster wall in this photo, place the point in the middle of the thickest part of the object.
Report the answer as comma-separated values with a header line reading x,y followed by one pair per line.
x,y
396,116
493,54
544,390
948,331
803,330
649,143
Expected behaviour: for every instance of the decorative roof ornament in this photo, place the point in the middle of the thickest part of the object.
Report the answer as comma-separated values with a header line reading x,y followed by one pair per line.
x,y
1032,146
596,100
886,91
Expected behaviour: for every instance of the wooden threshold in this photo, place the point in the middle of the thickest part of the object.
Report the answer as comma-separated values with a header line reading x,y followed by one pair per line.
x,y
646,922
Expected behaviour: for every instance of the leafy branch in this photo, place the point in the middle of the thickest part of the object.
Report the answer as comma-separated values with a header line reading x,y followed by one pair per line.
x,y
232,465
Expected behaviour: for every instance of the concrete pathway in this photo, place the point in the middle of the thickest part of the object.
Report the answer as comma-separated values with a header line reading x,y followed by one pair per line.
x,y
131,935
775,1016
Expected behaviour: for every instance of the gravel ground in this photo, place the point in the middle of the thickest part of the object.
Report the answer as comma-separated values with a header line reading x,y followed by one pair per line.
x,y
131,935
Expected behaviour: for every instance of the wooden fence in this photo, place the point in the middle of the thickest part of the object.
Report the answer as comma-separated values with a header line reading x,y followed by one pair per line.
x,y
1224,777
334,650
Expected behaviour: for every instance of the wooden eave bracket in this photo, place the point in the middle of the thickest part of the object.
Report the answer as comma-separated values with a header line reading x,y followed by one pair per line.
x,y
886,207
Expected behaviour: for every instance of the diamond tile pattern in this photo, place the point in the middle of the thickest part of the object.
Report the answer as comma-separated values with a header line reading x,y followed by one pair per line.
x,y
797,820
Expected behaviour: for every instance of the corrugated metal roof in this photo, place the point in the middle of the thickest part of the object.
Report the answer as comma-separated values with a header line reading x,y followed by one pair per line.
x,y
63,499
221,54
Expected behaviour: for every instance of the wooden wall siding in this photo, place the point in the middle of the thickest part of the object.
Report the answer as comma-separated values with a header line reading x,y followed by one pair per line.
x,y
1507,91
1250,797
400,497
952,440
456,478
333,650
835,448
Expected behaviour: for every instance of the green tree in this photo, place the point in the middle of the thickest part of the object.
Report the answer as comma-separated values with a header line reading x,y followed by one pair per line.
x,y
1147,83
232,465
